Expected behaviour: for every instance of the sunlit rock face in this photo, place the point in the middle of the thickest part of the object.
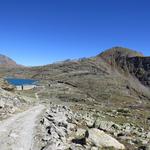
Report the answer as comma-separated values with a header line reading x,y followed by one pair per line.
x,y
7,62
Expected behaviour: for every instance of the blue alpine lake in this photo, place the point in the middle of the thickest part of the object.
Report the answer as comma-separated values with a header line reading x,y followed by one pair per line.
x,y
19,81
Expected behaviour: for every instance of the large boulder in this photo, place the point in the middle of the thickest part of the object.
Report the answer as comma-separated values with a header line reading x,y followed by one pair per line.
x,y
100,139
5,85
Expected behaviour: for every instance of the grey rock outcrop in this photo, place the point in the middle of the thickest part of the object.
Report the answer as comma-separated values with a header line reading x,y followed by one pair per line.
x,y
62,129
9,103
5,85
103,140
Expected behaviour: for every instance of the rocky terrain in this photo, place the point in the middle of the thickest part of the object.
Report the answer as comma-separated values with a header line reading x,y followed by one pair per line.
x,y
102,102
9,103
5,85
62,128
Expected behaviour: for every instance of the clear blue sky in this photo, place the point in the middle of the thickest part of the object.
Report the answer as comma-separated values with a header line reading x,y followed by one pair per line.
x,y
36,32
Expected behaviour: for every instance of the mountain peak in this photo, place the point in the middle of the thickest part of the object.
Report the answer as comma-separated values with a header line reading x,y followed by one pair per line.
x,y
5,61
121,51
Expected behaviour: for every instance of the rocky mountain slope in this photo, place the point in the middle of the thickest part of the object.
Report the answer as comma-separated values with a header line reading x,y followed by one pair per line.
x,y
7,62
91,101
130,62
117,76
115,82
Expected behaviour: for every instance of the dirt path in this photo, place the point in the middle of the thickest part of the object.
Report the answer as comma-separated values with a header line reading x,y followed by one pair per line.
x,y
17,132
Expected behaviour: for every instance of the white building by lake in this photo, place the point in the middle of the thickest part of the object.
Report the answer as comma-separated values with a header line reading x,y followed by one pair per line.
x,y
25,87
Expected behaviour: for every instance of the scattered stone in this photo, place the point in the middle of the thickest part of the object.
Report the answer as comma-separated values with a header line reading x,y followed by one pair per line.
x,y
101,139
106,125
90,122
148,135
64,129
94,148
80,133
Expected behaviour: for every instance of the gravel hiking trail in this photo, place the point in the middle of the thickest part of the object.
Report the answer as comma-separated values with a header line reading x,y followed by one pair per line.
x,y
17,132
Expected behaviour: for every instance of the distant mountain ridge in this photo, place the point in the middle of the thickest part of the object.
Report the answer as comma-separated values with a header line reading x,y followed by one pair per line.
x,y
5,61
116,74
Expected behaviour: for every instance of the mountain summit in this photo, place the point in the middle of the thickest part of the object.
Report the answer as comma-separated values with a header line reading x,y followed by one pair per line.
x,y
7,62
120,51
